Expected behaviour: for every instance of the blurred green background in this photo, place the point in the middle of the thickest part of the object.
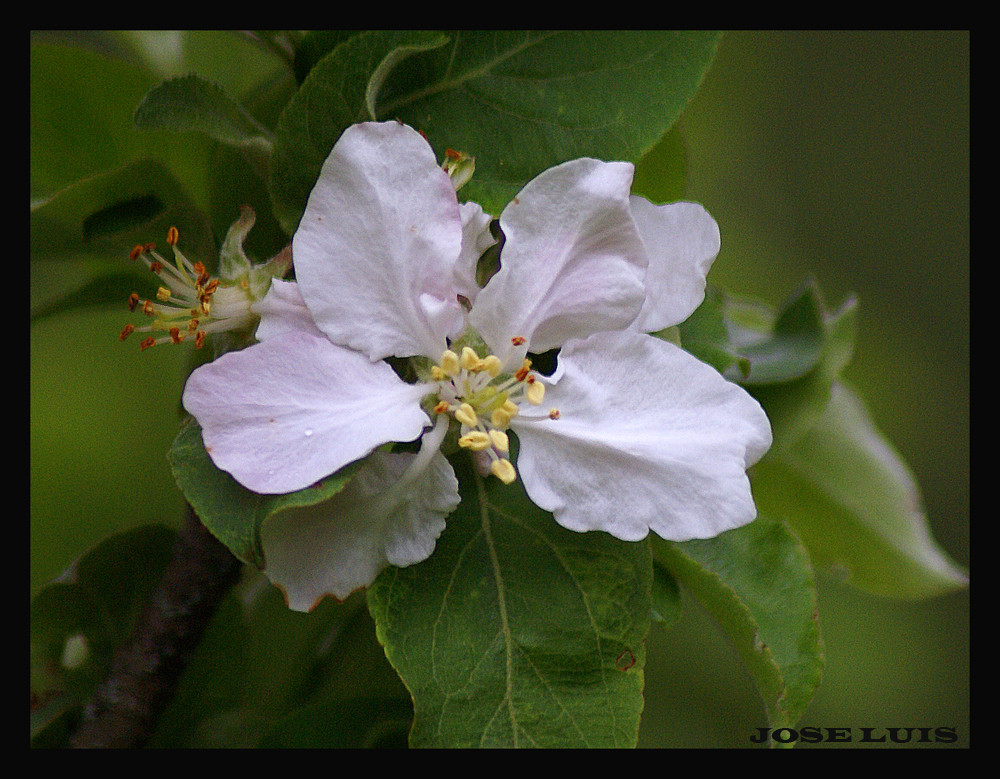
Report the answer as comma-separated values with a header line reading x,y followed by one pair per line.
x,y
844,155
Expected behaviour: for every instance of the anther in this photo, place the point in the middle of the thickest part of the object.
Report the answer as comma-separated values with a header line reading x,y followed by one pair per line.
x,y
175,335
470,360
522,372
147,308
499,440
492,365
173,236
503,470
135,253
518,340
466,414
146,343
535,393
554,413
476,440
199,339
133,301
450,363
163,294
442,407
126,332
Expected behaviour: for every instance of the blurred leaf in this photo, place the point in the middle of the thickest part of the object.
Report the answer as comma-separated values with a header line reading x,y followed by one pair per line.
x,y
661,175
194,104
82,104
667,607
855,504
517,632
77,622
314,45
96,221
353,724
757,582
229,510
335,94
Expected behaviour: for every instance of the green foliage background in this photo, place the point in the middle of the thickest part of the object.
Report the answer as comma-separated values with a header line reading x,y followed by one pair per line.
x,y
843,155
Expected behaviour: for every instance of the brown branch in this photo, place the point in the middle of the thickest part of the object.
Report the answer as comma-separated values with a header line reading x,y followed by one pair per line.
x,y
124,709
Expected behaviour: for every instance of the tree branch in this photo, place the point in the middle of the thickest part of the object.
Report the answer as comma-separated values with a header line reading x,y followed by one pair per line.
x,y
125,708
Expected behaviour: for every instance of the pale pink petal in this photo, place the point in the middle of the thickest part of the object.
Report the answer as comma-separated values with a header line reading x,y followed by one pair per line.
x,y
342,544
476,239
648,438
375,251
282,414
283,309
682,241
572,262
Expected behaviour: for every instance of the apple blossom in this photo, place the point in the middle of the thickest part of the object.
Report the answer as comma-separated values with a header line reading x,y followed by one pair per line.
x,y
629,434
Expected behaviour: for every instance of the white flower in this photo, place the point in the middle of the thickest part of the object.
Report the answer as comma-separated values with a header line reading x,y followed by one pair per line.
x,y
629,434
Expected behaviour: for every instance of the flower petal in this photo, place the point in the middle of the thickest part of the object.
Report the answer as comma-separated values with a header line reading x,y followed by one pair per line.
x,y
572,262
283,309
342,544
648,438
284,413
377,245
476,239
682,242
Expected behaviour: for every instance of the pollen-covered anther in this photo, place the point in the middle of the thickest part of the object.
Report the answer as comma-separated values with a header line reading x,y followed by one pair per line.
x,y
173,236
126,332
535,392
450,363
163,294
466,414
499,440
522,372
470,360
199,339
476,440
554,413
175,335
442,407
492,365
148,308
503,470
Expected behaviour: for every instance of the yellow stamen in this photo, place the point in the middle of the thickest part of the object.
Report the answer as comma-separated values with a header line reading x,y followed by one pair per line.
x,y
491,365
163,294
475,440
503,470
449,363
535,393
500,418
466,414
499,440
470,360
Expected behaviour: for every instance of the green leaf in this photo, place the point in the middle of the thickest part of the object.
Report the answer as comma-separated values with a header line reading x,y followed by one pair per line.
x,y
854,502
517,101
757,582
77,622
194,104
229,510
517,632
82,104
337,93
523,101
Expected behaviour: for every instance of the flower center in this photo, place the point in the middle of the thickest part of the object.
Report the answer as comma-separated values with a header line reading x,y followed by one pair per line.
x,y
474,392
189,302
